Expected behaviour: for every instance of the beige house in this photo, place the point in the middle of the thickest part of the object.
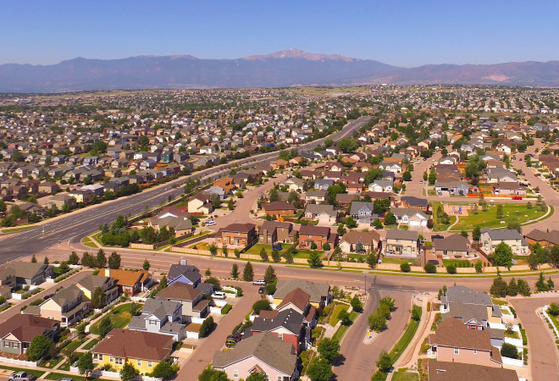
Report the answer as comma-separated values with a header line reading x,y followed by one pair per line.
x,y
401,242
68,306
490,239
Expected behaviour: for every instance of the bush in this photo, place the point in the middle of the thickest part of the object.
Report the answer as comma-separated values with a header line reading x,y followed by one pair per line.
x,y
451,269
553,309
262,304
430,268
225,310
509,350
405,267
207,327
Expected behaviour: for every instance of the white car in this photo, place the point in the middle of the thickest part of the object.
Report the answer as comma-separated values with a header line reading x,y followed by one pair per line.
x,y
218,295
259,282
210,222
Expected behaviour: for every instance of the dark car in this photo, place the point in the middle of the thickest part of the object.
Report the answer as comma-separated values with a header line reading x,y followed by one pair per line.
x,y
232,340
261,290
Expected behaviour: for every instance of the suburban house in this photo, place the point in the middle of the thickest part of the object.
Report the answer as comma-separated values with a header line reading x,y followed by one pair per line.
x,y
184,273
30,274
319,235
454,246
287,324
262,353
455,342
470,297
324,213
500,175
17,332
91,282
68,306
130,282
509,188
474,316
237,234
316,196
414,203
543,238
410,216
490,239
180,223
319,293
362,211
144,350
323,183
60,200
160,316
293,184
279,208
273,231
456,371
193,302
381,186
351,241
454,187
200,204
401,242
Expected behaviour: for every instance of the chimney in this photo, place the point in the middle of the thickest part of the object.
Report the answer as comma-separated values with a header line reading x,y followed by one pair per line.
x,y
183,261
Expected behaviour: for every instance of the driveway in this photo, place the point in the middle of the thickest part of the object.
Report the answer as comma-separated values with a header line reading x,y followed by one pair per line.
x,y
204,354
542,353
359,359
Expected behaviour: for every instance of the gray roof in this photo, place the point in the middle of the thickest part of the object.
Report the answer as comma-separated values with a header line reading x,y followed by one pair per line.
x,y
466,295
382,183
316,193
190,272
160,308
415,201
402,234
289,319
399,212
503,235
452,242
467,312
67,295
356,206
315,290
266,347
91,282
321,208
27,269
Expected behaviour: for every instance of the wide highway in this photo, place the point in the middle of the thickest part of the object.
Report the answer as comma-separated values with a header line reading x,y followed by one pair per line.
x,y
76,225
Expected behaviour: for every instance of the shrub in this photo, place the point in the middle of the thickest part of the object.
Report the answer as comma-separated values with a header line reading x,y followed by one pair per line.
x,y
451,269
509,350
430,268
225,310
405,267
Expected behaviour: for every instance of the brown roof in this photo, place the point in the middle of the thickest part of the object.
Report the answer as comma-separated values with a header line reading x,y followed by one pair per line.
x,y
455,371
298,297
366,238
237,228
278,205
311,229
135,344
126,278
25,327
179,291
453,333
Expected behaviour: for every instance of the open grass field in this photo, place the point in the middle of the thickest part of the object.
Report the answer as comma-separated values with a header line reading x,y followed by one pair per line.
x,y
488,219
437,225
120,317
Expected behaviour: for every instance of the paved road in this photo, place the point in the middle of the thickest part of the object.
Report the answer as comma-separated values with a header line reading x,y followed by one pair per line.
x,y
542,351
77,225
359,361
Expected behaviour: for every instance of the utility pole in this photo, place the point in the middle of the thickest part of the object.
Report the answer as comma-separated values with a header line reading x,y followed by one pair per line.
x,y
365,282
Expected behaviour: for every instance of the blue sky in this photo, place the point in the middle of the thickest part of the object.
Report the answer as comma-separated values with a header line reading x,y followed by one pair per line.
x,y
403,33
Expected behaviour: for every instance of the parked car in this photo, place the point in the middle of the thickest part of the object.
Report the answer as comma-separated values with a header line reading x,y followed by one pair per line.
x,y
210,222
218,295
261,290
232,340
22,376
259,282
517,197
66,379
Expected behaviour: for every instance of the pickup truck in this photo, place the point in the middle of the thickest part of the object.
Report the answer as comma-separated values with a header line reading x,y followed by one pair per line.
x,y
22,376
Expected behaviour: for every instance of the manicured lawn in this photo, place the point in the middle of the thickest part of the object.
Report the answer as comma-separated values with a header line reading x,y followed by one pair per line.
x,y
399,261
405,376
255,249
488,219
73,346
37,373
437,226
554,321
200,246
340,332
458,263
88,242
181,204
58,376
120,317
334,318
91,344
499,302
403,343
304,253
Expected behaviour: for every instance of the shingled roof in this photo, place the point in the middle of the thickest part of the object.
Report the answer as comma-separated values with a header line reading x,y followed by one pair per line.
x,y
455,371
135,344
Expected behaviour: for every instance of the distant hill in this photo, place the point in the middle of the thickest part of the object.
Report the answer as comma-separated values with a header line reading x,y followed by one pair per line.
x,y
282,69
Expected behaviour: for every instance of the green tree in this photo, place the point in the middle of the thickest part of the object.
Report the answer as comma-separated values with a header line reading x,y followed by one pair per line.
x,y
509,350
163,369
85,363
315,259
329,349
276,256
100,259
499,288
523,287
105,326
270,275
384,362
73,259
348,144
146,265
513,288
541,284
257,376
553,309
98,298
476,233
356,303
88,260
207,326
319,369
405,267
38,348
378,224
235,271
213,249
33,259
430,268
503,255
224,250
479,267
500,213
371,260
377,322
261,305
46,261
407,176
390,218
248,272
114,261
127,372
264,254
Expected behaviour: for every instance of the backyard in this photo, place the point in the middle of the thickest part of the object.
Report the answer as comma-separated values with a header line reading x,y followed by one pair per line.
x,y
120,317
255,249
488,219
437,225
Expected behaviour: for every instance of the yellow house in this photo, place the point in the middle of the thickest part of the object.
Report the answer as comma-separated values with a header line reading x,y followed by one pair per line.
x,y
144,350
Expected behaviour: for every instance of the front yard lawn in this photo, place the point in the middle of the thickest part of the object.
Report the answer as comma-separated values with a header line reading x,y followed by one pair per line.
x,y
255,249
304,253
37,373
120,317
334,318
488,219
91,344
399,261
458,263
405,376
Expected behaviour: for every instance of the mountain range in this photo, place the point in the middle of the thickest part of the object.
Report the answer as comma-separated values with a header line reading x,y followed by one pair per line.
x,y
281,69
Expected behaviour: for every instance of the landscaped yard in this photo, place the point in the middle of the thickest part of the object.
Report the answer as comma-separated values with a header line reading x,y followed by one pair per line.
x,y
88,242
91,344
457,263
488,219
334,318
399,261
403,343
58,376
304,253
405,376
255,249
120,317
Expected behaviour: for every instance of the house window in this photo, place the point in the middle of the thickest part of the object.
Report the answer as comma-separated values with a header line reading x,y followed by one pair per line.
x,y
235,373
118,361
280,378
456,351
280,335
139,362
153,322
111,359
150,364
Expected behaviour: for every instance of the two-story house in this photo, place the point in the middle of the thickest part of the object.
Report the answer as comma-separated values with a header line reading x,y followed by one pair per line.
x,y
401,242
319,293
17,332
279,208
68,306
324,213
130,282
410,216
92,282
192,299
454,246
362,211
274,231
319,235
490,239
237,234
160,316
355,239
